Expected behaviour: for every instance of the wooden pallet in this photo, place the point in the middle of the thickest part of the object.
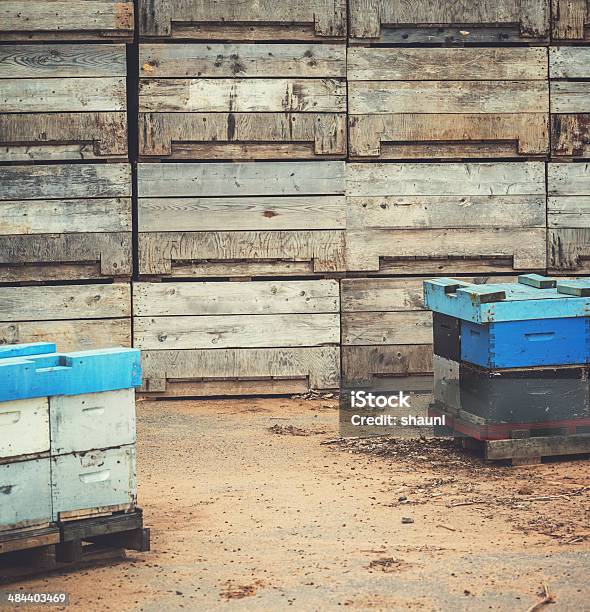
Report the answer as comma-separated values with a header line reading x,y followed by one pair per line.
x,y
238,20
71,546
76,317
63,102
411,217
569,70
65,222
449,22
216,338
570,20
244,101
241,220
568,243
484,103
49,20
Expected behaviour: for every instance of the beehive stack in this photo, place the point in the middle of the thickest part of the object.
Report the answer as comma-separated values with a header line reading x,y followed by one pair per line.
x,y
67,440
511,357
65,213
242,116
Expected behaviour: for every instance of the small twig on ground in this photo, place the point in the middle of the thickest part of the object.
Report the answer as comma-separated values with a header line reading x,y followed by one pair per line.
x,y
446,527
548,598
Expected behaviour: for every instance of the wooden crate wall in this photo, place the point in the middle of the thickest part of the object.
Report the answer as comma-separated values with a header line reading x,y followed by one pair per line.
x,y
569,218
450,21
58,20
65,222
200,220
243,19
63,101
232,338
448,103
242,101
74,317
570,21
570,102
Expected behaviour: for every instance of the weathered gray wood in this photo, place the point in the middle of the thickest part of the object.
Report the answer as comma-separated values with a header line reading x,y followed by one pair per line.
x,y
570,97
254,298
571,20
56,19
62,61
238,19
458,64
568,179
65,181
570,135
54,303
65,216
361,364
249,213
242,60
236,331
569,212
569,62
239,368
536,447
370,19
370,329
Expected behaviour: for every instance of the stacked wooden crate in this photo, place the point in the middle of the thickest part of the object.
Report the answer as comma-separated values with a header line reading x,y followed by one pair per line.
x,y
242,121
65,182
447,140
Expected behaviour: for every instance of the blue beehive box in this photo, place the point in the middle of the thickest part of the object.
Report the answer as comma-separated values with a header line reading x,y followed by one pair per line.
x,y
535,322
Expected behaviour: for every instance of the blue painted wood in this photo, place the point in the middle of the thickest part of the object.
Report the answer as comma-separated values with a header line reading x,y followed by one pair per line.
x,y
24,350
486,304
69,373
518,344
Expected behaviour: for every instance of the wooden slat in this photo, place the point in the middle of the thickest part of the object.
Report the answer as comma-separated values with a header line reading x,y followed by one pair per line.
x,y
569,62
571,20
249,213
235,331
371,329
377,64
254,298
53,303
569,179
242,60
570,97
243,19
59,20
537,447
571,211
365,364
570,135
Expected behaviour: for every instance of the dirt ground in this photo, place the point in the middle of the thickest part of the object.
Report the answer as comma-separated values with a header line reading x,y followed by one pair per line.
x,y
250,511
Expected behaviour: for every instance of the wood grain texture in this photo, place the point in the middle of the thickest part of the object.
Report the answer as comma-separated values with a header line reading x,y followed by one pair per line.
x,y
235,371
362,364
570,97
59,20
570,135
569,62
242,61
253,298
571,20
388,328
380,20
243,19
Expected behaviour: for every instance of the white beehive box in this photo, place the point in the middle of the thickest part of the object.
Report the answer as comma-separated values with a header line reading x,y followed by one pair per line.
x,y
25,493
92,421
24,427
93,480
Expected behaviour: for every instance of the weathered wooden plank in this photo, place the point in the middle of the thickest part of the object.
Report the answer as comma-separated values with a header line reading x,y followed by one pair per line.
x,y
572,211
571,20
460,64
569,62
62,61
570,97
401,97
64,94
570,135
88,334
236,331
65,216
67,181
445,136
254,298
161,252
249,213
54,303
242,135
238,19
240,370
474,179
242,95
361,364
405,212
569,250
240,179
370,329
58,136
55,19
536,447
568,179
380,19
242,60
